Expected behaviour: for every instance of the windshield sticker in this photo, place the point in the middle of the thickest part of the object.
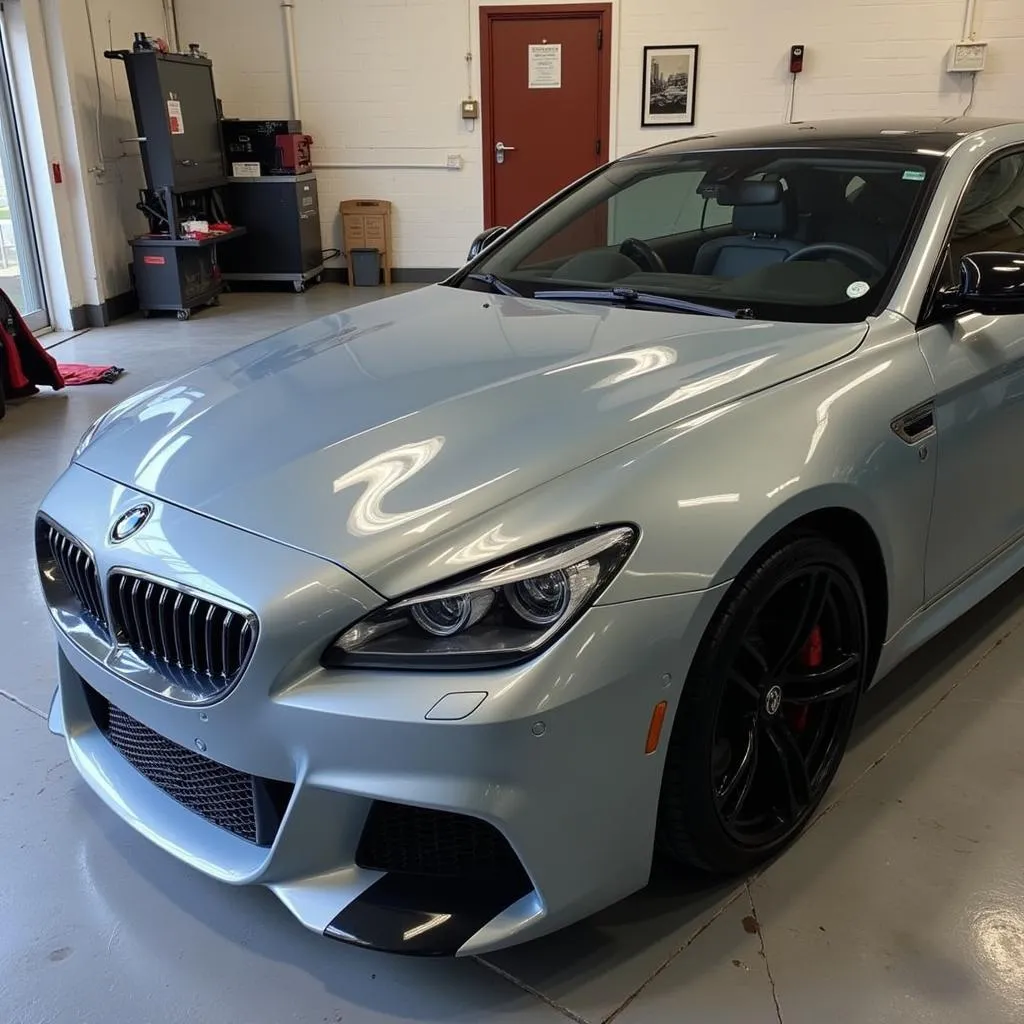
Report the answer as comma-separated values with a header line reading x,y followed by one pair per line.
x,y
857,289
913,175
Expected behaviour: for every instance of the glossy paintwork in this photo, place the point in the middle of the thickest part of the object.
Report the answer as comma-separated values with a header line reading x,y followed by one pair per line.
x,y
349,737
373,453
395,434
978,366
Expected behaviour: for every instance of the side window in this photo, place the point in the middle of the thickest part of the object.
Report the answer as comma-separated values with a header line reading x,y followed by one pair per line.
x,y
853,187
991,214
665,204
716,215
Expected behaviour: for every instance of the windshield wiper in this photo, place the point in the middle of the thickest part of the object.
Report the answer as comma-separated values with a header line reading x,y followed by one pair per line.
x,y
631,297
496,283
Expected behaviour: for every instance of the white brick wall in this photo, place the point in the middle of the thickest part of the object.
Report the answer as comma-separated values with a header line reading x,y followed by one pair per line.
x,y
381,81
104,192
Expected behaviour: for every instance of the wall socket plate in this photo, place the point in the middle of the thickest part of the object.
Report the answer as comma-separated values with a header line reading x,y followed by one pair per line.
x,y
967,55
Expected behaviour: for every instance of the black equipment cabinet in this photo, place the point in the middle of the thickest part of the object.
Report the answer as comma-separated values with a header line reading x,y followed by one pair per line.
x,y
177,117
281,215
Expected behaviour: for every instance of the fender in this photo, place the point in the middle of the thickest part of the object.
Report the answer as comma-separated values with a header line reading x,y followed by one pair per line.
x,y
708,492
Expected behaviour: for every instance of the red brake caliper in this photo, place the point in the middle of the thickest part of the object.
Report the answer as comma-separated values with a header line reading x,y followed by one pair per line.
x,y
811,658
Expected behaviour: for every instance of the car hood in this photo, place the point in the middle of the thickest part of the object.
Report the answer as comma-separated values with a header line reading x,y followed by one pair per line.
x,y
361,435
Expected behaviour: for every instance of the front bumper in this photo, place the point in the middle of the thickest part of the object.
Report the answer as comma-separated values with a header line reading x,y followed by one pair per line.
x,y
552,756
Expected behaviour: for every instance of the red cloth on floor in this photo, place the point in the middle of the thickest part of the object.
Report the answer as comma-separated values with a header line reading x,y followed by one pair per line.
x,y
26,363
82,373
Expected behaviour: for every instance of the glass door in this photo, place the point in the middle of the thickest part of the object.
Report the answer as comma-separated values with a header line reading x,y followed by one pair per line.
x,y
20,274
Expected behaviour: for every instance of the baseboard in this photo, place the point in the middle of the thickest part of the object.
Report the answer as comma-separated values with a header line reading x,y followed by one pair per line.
x,y
121,305
105,313
399,275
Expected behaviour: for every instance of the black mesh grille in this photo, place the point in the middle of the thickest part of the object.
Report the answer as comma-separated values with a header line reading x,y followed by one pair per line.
x,y
248,806
419,841
191,636
75,567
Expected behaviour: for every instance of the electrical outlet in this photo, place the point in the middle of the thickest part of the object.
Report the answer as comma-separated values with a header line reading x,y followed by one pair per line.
x,y
967,55
454,162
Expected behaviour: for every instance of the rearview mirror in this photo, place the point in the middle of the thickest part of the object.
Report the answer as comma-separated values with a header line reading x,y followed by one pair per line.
x,y
990,283
484,239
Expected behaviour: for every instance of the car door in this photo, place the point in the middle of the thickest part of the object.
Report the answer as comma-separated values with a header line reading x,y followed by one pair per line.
x,y
977,362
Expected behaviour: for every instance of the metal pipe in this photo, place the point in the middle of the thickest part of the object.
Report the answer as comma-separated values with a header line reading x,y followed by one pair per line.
x,y
170,26
287,12
100,167
970,12
382,167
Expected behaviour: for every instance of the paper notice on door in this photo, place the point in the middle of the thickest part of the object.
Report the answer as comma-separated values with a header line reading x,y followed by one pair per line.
x,y
174,117
545,66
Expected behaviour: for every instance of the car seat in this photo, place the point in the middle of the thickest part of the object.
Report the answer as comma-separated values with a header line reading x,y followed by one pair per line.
x,y
765,237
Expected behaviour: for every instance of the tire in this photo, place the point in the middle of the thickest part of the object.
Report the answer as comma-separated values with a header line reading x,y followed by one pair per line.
x,y
733,792
184,314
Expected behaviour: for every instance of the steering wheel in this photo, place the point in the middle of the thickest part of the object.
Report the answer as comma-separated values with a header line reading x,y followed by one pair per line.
x,y
825,249
643,255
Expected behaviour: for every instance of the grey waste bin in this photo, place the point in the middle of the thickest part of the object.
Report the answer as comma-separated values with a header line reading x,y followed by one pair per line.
x,y
365,267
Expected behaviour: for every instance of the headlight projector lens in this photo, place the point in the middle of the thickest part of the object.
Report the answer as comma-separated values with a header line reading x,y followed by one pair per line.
x,y
450,615
540,600
445,617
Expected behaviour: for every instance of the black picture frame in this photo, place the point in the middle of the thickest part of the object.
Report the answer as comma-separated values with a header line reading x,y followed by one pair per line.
x,y
668,93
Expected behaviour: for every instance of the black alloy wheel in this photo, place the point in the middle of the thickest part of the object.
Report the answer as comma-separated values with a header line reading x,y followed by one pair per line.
x,y
767,709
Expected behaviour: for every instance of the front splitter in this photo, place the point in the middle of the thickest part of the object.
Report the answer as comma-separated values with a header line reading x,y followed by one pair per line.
x,y
418,915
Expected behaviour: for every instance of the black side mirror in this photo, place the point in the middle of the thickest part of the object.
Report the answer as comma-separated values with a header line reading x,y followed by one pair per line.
x,y
483,240
990,283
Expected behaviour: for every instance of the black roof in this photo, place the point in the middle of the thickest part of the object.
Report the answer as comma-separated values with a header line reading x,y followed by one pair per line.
x,y
895,135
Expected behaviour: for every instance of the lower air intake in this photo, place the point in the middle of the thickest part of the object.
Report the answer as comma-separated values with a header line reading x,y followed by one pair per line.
x,y
245,805
418,841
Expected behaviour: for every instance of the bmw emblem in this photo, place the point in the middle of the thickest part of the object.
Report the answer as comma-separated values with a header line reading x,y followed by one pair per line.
x,y
129,523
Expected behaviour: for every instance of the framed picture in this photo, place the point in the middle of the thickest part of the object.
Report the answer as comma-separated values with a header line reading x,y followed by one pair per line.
x,y
670,85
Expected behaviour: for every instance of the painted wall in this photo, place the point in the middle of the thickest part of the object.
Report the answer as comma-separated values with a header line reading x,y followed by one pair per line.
x,y
381,82
75,112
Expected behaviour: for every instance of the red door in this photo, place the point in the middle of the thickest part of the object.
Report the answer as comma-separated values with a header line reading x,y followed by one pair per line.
x,y
546,78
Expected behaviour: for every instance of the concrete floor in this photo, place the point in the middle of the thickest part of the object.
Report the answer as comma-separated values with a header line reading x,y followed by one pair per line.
x,y
903,902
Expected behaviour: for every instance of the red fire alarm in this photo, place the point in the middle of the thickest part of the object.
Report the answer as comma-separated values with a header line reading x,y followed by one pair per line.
x,y
58,177
796,59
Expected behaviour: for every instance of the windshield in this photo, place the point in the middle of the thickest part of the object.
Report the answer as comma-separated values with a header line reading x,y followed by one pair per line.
x,y
802,235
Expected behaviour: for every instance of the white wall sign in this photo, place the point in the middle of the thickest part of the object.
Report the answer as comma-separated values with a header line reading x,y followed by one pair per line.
x,y
545,66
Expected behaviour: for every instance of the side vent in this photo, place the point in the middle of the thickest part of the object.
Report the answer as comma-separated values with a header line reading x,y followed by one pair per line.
x,y
915,425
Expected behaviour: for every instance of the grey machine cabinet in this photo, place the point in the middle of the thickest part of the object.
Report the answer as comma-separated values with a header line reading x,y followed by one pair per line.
x,y
281,214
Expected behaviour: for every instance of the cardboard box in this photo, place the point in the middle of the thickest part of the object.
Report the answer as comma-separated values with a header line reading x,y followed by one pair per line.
x,y
366,224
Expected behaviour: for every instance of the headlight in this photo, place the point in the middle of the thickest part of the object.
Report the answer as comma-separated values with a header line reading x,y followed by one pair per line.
x,y
505,614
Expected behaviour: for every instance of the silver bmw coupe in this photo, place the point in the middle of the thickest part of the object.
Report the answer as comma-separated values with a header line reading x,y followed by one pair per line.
x,y
442,616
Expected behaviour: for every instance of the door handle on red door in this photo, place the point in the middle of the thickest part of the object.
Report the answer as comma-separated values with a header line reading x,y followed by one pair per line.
x,y
500,149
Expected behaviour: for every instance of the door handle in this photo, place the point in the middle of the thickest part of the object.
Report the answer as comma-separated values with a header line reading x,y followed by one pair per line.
x,y
500,149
